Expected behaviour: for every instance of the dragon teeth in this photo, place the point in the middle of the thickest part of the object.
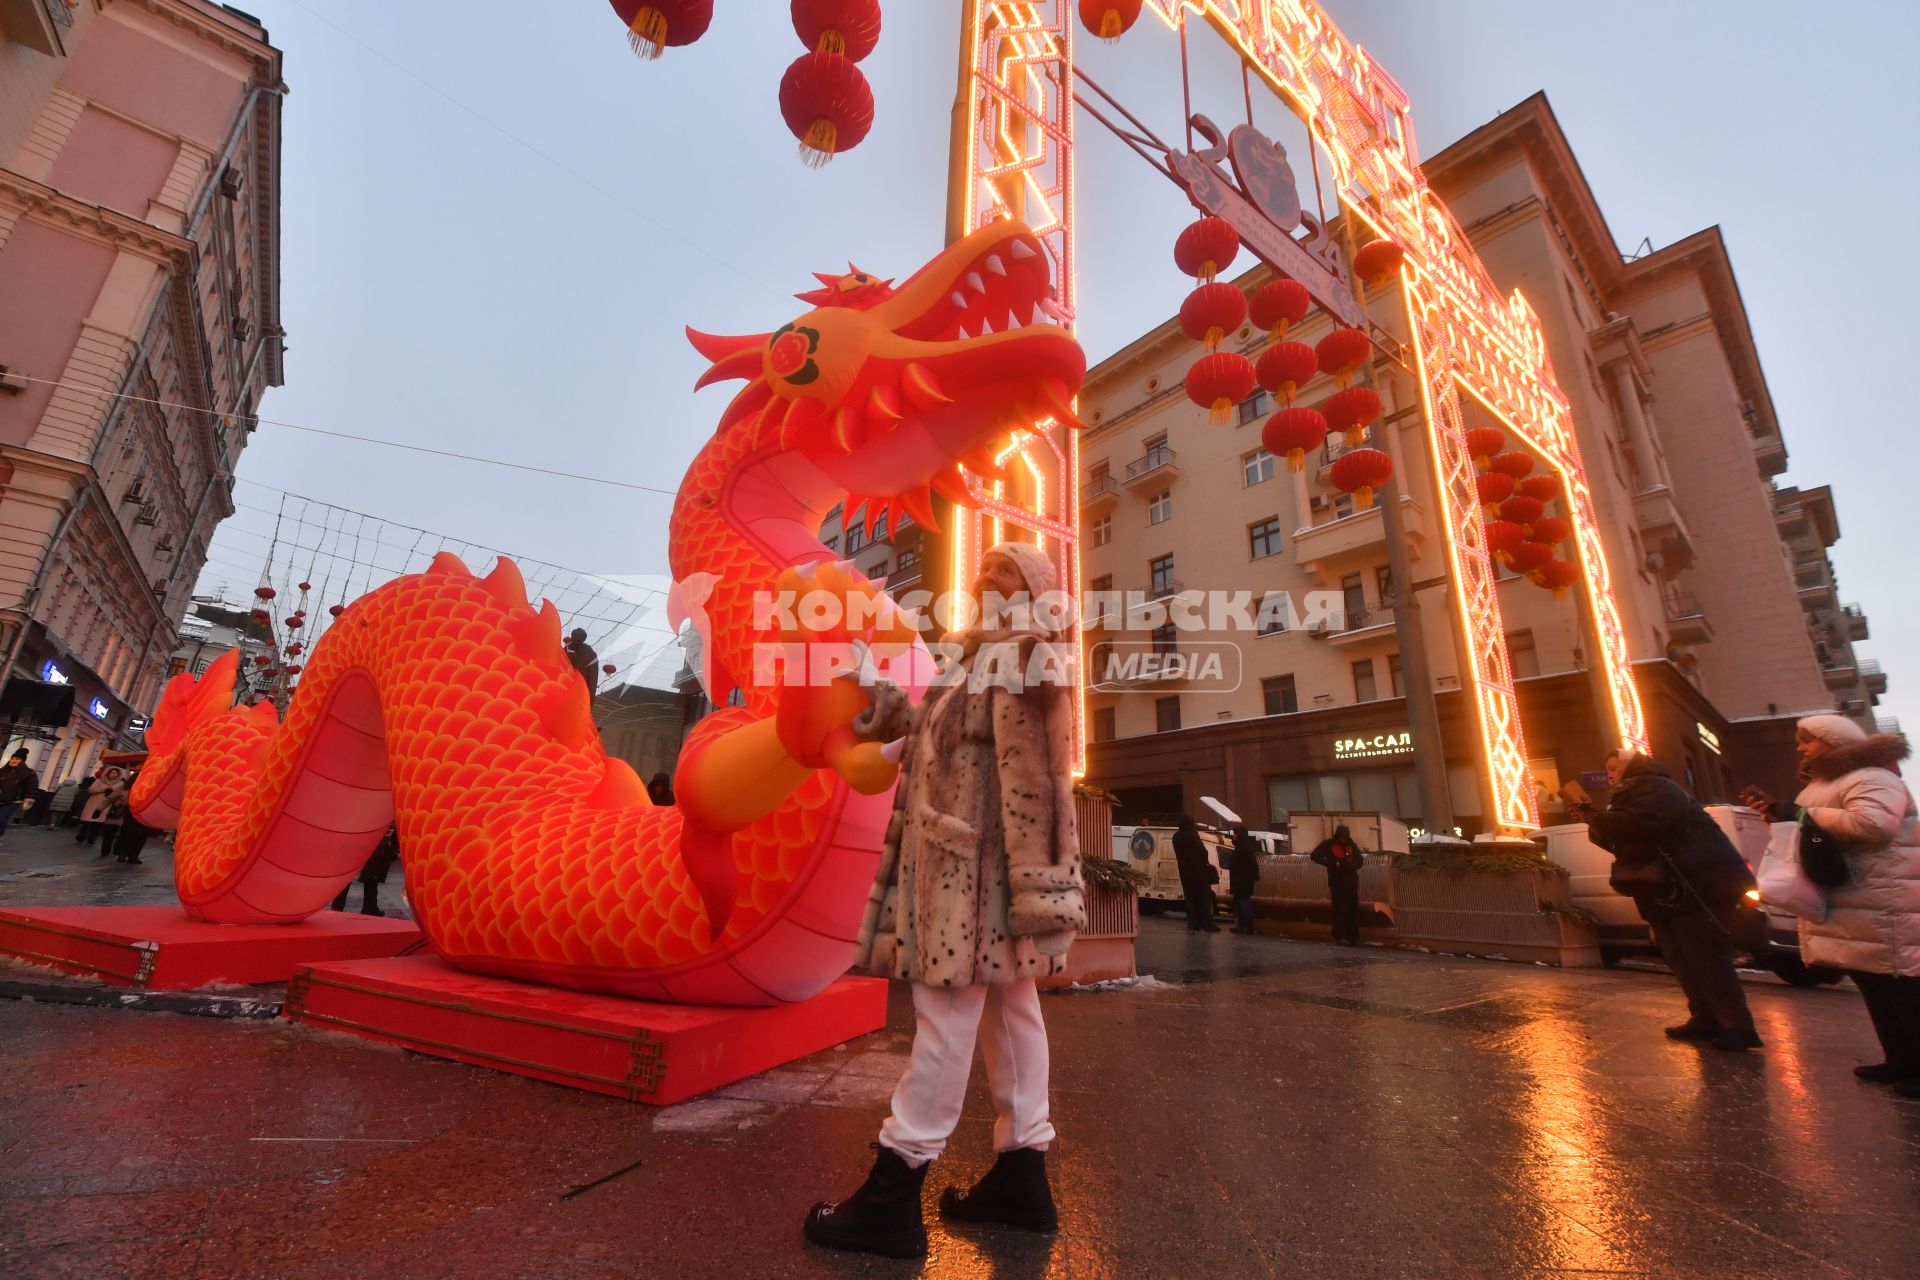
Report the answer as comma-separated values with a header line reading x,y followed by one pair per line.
x,y
1018,249
994,264
975,283
958,299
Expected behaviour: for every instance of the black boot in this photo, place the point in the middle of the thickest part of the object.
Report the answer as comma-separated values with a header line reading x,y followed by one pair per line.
x,y
882,1217
1014,1192
370,900
1693,1029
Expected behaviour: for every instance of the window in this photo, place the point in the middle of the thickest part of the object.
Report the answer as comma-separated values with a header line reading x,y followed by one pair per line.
x,y
1276,614
1253,406
1264,538
1160,569
1102,583
1279,694
1166,714
1393,675
909,559
880,529
1160,507
878,569
1256,467
1363,690
1166,638
832,544
1342,505
1355,597
856,538
1383,583
1158,454
1103,725
1102,532
1521,655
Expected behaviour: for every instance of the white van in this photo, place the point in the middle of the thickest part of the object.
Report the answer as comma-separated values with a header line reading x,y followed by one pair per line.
x,y
1149,849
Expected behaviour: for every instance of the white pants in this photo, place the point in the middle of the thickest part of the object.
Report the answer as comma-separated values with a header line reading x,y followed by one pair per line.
x,y
928,1100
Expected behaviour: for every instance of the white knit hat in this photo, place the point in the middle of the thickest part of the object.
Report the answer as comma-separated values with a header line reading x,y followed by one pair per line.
x,y
1033,564
1835,731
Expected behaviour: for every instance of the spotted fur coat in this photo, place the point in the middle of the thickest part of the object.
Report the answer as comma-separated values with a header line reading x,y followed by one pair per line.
x,y
979,879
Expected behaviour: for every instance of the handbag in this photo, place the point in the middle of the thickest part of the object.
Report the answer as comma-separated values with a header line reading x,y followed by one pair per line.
x,y
1823,855
1649,879
1783,880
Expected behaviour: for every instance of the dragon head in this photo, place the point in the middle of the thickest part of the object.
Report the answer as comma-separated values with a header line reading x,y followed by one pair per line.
x,y
890,390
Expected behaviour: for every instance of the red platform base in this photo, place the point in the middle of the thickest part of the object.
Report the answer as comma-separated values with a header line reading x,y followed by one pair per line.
x,y
632,1049
160,949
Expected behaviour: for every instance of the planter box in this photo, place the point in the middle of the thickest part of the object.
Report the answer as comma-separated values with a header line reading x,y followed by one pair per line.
x,y
1492,913
1104,949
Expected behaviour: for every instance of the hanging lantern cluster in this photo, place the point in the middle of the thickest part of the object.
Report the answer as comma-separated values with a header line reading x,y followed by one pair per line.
x,y
653,26
1220,379
1519,532
824,98
1109,19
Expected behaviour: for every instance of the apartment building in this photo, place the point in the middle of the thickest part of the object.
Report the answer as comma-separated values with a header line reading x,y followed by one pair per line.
x,y
139,327
1681,446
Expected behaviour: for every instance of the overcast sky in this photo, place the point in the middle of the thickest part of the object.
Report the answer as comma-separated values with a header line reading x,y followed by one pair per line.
x,y
496,221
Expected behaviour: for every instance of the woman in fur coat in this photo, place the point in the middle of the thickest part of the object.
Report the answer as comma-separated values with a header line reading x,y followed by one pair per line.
x,y
1872,929
978,894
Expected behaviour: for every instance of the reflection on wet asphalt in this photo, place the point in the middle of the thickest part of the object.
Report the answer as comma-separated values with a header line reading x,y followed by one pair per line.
x,y
1270,1108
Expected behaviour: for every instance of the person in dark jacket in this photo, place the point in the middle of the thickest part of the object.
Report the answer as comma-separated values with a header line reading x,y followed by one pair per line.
x,y
373,874
1197,876
1243,873
1686,878
584,659
17,786
1342,858
660,789
77,804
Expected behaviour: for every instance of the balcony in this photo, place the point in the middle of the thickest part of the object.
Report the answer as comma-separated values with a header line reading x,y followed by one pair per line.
x,y
1098,494
1856,619
1873,676
1686,620
1341,545
1663,529
1157,465
1814,581
1839,673
1370,622
1770,454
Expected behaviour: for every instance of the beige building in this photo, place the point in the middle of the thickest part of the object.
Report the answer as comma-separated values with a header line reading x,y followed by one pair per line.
x,y
139,327
1681,446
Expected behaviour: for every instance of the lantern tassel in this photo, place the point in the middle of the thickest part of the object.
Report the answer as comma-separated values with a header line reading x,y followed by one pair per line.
x,y
1221,410
1356,436
816,149
1296,459
1363,497
1208,270
1215,336
831,41
648,34
1110,28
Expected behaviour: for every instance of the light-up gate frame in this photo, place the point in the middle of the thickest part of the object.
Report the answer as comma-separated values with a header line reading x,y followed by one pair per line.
x,y
1466,337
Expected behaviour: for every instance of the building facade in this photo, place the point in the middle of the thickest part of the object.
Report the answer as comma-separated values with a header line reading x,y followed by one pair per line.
x,y
139,327
1306,708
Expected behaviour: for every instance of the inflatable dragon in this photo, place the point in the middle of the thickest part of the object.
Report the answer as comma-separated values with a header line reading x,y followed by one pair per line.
x,y
444,702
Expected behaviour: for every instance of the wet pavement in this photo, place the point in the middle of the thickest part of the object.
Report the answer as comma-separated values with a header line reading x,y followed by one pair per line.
x,y
1261,1108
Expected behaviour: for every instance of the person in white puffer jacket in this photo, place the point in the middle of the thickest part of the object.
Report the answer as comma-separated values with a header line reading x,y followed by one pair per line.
x,y
1872,929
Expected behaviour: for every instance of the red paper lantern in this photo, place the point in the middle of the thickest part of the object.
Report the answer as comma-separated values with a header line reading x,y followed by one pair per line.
x,y
1515,464
1503,539
295,669
1522,510
306,586
850,28
1556,576
262,660
1294,433
1528,556
265,593
828,105
1493,488
1379,261
1343,351
1361,471
607,668
1280,304
1218,382
295,623
1285,367
1206,248
295,650
335,610
261,615
1551,530
1544,487
655,25
1352,411
1483,443
1211,312
1109,19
